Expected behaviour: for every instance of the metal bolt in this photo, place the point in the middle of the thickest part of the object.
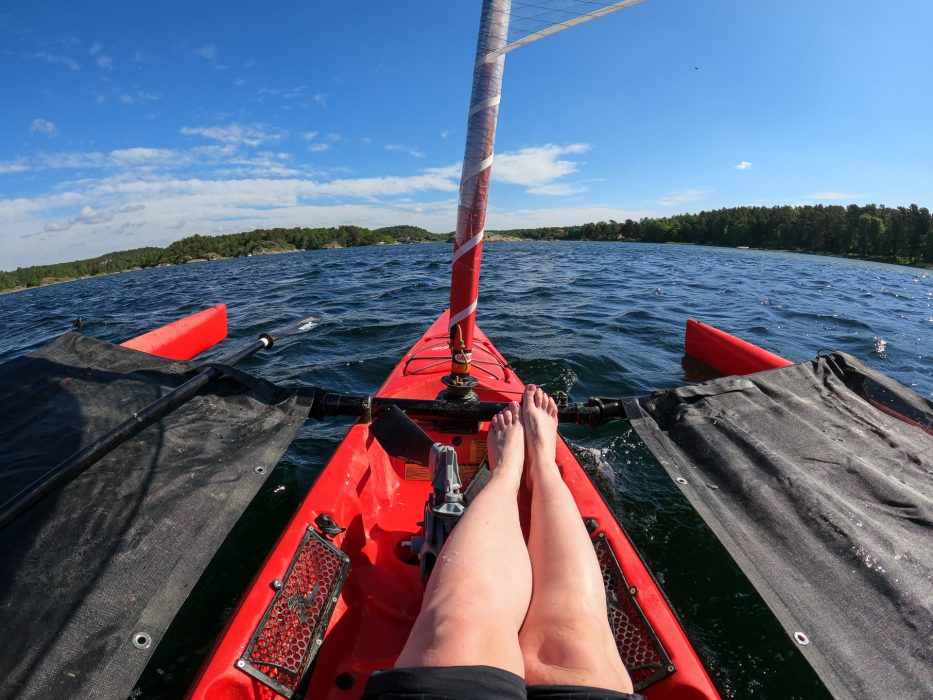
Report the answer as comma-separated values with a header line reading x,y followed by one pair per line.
x,y
334,599
260,470
801,639
681,480
318,641
277,583
241,664
671,669
632,590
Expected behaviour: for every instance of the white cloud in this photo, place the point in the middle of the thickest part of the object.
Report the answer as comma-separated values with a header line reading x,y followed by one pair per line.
x,y
560,216
208,52
832,196
95,49
87,215
413,152
556,190
320,98
8,168
445,134
744,165
105,62
309,135
691,194
43,126
534,166
146,155
139,97
47,57
233,133
319,147
151,196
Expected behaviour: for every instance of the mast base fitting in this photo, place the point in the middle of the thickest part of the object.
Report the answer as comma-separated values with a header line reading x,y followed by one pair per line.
x,y
460,387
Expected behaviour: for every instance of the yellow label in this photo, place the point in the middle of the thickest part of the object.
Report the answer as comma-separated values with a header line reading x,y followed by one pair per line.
x,y
460,369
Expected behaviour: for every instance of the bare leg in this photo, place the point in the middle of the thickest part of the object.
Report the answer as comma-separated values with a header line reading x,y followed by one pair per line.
x,y
479,590
566,639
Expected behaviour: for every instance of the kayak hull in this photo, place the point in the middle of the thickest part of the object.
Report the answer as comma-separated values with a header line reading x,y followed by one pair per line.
x,y
379,501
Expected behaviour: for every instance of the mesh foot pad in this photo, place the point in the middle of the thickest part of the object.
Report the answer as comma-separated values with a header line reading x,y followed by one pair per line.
x,y
642,653
290,634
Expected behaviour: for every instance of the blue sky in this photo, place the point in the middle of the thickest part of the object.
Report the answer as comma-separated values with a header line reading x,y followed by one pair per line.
x,y
136,123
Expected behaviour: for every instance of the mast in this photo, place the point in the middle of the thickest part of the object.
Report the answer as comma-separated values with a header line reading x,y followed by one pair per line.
x,y
474,191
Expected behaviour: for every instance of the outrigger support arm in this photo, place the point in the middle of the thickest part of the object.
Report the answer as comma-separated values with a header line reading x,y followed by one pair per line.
x,y
594,412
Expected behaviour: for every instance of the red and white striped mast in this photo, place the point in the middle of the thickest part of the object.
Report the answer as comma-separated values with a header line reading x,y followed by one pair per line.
x,y
474,192
491,47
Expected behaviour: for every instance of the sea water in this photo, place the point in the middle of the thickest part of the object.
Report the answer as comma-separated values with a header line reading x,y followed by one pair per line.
x,y
602,319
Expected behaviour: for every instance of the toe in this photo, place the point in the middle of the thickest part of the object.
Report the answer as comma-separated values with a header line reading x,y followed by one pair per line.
x,y
540,399
551,406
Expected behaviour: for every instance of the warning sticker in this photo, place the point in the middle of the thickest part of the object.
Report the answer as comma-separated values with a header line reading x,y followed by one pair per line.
x,y
416,472
477,451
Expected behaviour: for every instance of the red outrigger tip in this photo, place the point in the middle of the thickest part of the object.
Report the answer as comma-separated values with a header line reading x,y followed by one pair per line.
x,y
726,353
186,337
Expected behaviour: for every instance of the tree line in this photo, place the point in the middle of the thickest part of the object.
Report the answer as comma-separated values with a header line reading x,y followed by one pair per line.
x,y
874,232
899,235
197,247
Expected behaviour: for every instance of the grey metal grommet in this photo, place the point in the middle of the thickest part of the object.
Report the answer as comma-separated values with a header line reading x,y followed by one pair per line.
x,y
240,663
801,639
141,640
260,470
277,583
681,480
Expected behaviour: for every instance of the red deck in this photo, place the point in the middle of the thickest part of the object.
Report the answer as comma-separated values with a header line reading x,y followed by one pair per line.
x,y
379,500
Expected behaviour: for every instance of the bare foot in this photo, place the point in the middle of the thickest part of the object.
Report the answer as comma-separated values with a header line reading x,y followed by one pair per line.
x,y
539,416
506,443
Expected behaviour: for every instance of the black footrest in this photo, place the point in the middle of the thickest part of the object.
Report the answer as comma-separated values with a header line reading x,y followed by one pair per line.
x,y
290,634
642,653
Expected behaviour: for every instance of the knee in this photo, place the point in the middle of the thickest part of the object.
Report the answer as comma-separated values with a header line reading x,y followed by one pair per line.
x,y
565,641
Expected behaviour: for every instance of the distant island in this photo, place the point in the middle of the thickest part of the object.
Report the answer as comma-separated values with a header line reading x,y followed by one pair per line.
x,y
901,235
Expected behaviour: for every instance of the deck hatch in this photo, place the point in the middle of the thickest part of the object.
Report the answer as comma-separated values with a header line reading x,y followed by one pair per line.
x,y
291,632
645,658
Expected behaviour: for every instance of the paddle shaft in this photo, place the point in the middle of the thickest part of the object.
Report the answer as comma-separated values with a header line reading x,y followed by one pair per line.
x,y
65,471
68,469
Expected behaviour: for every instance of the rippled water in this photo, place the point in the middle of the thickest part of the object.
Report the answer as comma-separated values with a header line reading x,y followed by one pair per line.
x,y
587,318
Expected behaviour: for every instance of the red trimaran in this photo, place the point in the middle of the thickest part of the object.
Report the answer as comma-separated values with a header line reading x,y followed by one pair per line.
x,y
337,596
341,585
374,502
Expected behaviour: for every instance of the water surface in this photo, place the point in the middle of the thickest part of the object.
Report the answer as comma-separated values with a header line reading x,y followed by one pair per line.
x,y
587,318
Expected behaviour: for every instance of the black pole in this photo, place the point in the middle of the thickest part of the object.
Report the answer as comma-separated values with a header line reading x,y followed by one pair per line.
x,y
65,471
593,413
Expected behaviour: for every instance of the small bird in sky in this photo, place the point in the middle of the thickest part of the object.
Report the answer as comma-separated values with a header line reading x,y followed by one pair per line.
x,y
696,68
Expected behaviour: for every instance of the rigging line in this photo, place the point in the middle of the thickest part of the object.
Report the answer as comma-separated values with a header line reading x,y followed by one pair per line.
x,y
559,26
545,10
551,9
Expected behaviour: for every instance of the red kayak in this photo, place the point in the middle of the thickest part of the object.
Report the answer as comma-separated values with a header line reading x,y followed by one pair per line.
x,y
341,587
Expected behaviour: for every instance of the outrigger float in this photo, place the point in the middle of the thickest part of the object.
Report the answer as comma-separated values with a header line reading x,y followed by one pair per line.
x,y
126,467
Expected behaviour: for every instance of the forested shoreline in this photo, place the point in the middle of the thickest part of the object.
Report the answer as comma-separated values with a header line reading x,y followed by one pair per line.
x,y
902,235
